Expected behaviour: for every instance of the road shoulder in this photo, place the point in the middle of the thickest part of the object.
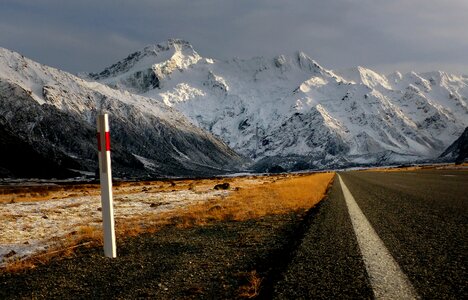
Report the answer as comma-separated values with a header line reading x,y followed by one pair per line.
x,y
328,263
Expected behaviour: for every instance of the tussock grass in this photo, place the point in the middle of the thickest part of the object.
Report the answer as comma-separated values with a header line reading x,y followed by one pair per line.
x,y
251,201
13,194
448,166
249,197
86,233
251,288
393,169
44,192
84,236
20,265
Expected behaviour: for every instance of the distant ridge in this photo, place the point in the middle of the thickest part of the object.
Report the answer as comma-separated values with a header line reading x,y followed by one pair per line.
x,y
291,113
177,113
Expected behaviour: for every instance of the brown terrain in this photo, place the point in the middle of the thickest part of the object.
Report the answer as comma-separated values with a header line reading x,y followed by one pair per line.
x,y
234,244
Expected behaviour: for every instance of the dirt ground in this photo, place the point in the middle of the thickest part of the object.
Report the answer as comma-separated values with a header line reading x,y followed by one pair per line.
x,y
225,260
204,243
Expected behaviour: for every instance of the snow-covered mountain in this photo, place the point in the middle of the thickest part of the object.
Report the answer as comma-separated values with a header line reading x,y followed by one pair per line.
x,y
291,112
47,126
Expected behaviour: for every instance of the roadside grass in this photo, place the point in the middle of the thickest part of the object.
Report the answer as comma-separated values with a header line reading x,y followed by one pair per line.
x,y
84,236
248,201
14,194
394,169
450,166
251,288
246,198
10,194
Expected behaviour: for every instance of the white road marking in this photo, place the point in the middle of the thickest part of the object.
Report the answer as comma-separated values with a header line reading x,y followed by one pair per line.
x,y
387,279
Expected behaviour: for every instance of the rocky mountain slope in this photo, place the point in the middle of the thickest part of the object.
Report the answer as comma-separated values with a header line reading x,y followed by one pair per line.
x,y
458,150
49,116
291,112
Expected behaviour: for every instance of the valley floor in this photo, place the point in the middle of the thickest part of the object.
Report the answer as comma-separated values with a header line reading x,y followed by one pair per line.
x,y
233,247
196,241
226,260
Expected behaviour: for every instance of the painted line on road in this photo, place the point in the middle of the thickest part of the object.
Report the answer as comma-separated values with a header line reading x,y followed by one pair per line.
x,y
387,279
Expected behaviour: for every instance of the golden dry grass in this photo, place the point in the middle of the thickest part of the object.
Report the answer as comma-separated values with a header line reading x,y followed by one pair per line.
x,y
450,166
61,191
45,192
251,288
248,198
394,169
250,201
20,265
84,236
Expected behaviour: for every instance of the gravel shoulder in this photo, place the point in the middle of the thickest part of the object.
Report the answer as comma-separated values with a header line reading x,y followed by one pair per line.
x,y
235,245
328,263
219,261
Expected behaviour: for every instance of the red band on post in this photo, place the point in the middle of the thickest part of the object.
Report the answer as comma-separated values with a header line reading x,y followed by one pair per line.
x,y
107,141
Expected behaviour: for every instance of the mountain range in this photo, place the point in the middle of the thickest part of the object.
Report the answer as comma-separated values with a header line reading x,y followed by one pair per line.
x,y
176,113
292,113
47,119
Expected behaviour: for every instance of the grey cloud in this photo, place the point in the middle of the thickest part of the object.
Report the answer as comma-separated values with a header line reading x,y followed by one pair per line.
x,y
89,35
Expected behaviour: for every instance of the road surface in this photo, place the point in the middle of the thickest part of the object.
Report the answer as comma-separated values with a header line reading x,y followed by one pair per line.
x,y
421,219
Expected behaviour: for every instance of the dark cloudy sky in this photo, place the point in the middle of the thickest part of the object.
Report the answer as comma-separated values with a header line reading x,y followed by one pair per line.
x,y
385,35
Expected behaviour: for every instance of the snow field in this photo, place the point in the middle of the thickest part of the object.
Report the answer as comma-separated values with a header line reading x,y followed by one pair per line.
x,y
29,228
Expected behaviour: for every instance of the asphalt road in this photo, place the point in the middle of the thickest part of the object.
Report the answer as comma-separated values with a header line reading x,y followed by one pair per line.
x,y
328,263
421,218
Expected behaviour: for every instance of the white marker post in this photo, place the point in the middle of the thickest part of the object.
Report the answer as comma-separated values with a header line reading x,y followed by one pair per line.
x,y
106,185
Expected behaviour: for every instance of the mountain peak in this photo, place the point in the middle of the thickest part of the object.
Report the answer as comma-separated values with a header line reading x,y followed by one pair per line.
x,y
176,45
151,55
363,75
307,63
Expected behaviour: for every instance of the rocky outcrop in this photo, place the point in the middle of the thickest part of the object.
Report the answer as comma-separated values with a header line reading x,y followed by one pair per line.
x,y
458,150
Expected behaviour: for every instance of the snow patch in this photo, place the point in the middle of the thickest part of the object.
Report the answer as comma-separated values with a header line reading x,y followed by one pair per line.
x,y
31,227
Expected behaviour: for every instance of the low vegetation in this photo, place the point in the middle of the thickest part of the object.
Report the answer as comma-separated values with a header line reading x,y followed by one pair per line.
x,y
251,288
239,199
418,167
249,201
29,193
